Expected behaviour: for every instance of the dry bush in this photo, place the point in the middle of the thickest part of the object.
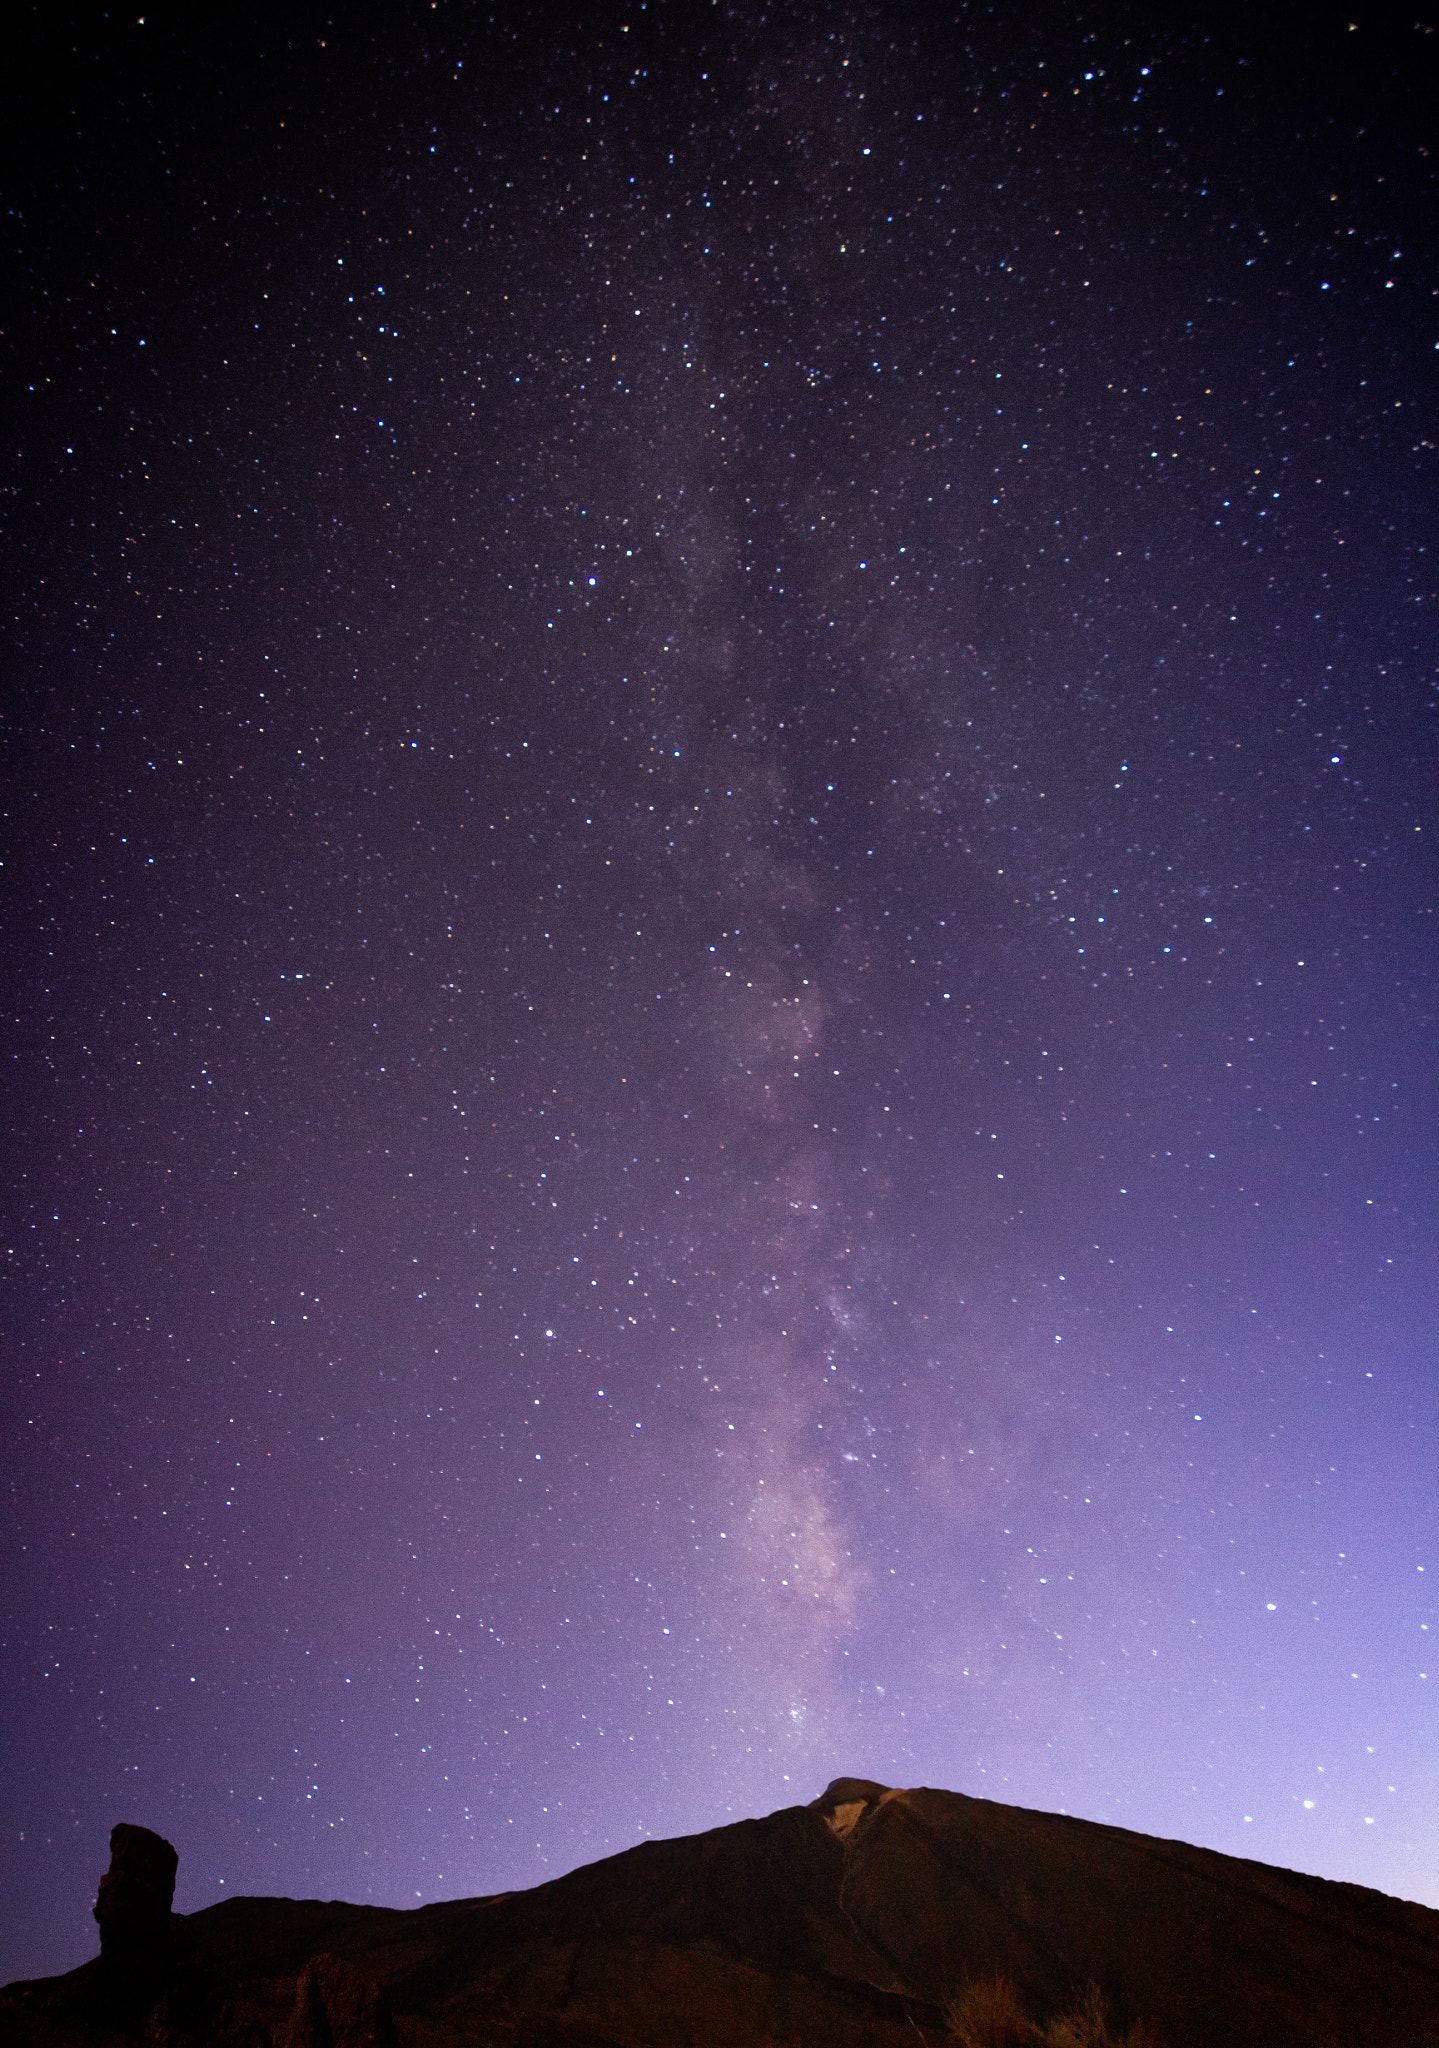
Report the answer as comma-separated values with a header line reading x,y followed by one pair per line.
x,y
1088,2027
987,2014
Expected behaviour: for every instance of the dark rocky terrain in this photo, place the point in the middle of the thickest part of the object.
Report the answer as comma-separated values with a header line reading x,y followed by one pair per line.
x,y
849,1921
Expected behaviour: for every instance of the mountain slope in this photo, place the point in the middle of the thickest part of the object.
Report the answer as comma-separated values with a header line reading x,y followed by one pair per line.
x,y
848,1921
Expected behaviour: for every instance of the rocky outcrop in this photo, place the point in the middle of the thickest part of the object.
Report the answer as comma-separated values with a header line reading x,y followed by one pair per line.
x,y
849,1923
133,1904
338,2006
132,1908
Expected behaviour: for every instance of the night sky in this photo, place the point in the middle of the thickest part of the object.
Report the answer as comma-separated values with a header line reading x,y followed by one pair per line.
x,y
719,953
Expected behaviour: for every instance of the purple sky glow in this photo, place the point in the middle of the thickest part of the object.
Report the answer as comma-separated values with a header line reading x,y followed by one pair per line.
x,y
719,943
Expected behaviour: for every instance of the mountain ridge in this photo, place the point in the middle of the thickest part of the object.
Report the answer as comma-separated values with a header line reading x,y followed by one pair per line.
x,y
852,1919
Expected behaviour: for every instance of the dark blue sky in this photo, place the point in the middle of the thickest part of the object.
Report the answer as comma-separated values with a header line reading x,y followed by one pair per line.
x,y
718,935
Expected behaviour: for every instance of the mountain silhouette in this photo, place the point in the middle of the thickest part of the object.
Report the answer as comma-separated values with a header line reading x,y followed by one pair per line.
x,y
869,1917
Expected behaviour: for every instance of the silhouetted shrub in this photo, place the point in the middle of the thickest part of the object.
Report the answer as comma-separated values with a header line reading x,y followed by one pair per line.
x,y
988,2014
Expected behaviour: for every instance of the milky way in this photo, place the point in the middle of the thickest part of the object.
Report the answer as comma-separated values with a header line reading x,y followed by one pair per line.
x,y
718,939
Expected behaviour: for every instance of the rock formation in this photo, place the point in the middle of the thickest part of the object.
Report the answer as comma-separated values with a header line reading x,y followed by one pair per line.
x,y
136,1892
338,2006
853,1922
133,1911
